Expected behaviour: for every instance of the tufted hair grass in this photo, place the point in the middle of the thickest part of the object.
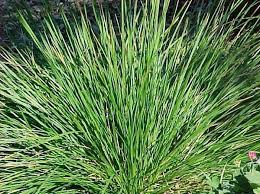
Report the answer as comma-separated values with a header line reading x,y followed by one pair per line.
x,y
138,106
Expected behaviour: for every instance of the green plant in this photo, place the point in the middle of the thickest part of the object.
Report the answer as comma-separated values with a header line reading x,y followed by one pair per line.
x,y
138,106
244,180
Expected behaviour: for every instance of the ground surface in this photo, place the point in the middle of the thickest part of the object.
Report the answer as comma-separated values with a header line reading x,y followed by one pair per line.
x,y
10,30
9,27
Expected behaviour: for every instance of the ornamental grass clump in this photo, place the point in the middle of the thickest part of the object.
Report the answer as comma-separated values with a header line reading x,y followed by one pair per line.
x,y
141,104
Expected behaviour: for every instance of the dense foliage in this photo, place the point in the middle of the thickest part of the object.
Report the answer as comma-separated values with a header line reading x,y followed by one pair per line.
x,y
138,105
243,180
